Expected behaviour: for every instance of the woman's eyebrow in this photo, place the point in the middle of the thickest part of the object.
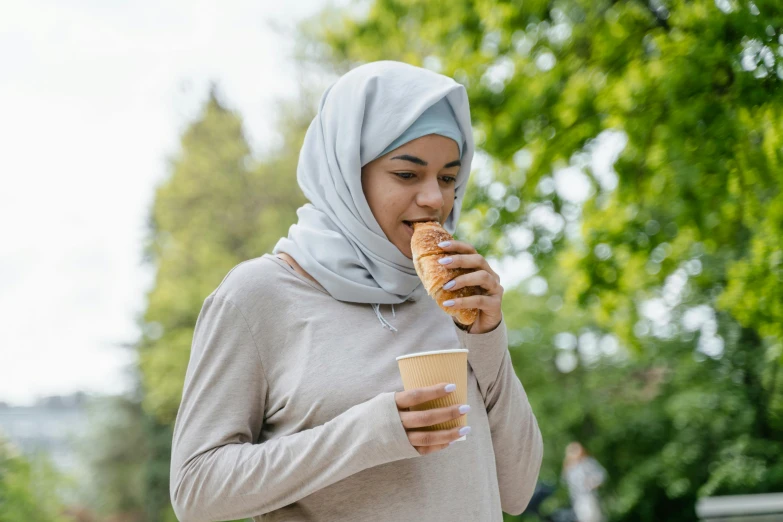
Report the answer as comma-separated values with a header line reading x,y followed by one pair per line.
x,y
419,161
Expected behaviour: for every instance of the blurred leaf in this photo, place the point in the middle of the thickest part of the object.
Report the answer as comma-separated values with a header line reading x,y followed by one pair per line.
x,y
656,340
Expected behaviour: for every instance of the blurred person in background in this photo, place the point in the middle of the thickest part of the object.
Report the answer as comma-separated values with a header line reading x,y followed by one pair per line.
x,y
583,474
289,410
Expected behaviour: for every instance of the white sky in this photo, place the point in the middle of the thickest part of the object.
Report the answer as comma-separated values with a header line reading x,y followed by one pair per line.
x,y
93,98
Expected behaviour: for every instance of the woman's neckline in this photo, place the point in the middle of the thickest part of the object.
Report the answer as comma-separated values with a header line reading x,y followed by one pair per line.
x,y
283,263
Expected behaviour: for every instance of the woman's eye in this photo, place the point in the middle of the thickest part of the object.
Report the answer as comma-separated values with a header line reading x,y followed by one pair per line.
x,y
411,175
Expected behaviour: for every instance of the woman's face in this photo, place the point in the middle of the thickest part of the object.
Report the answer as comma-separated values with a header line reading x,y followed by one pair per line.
x,y
415,182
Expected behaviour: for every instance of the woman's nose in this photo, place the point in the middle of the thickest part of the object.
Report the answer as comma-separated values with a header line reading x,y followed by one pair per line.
x,y
430,195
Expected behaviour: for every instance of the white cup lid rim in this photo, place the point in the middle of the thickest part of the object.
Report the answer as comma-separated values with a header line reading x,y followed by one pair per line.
x,y
434,352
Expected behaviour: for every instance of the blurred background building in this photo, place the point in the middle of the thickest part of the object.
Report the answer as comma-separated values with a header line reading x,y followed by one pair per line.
x,y
49,426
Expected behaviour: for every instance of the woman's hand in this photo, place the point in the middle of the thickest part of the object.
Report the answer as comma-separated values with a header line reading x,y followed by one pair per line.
x,y
465,256
429,441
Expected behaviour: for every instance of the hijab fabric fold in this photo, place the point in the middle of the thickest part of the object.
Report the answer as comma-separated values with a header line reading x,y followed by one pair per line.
x,y
337,239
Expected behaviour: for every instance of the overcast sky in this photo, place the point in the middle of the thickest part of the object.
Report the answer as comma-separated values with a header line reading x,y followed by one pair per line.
x,y
93,98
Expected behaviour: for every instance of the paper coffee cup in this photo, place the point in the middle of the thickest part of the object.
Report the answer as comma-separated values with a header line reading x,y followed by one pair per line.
x,y
422,369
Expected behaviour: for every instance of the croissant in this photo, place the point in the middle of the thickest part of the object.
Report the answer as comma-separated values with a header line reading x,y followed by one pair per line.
x,y
426,252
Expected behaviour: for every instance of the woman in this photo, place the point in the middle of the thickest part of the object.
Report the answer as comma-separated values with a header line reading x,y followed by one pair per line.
x,y
583,474
289,410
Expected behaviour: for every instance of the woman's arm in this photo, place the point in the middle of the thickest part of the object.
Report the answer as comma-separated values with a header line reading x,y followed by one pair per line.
x,y
219,472
516,437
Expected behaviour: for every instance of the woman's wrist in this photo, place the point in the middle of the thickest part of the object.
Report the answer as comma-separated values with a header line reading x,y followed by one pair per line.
x,y
463,327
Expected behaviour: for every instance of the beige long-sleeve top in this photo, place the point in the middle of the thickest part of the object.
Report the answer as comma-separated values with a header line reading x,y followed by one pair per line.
x,y
288,412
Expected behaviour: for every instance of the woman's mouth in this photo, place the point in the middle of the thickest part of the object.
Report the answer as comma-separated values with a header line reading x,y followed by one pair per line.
x,y
409,224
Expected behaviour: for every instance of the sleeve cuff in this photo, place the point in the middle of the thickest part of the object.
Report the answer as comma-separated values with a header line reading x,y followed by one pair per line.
x,y
391,435
486,351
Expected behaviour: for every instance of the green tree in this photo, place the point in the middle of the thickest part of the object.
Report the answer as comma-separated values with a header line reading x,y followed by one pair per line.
x,y
115,451
654,320
221,205
29,488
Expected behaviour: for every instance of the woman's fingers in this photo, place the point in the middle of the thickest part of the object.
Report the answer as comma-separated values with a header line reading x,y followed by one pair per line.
x,y
421,419
464,255
480,278
436,438
424,450
430,441
409,398
453,260
482,302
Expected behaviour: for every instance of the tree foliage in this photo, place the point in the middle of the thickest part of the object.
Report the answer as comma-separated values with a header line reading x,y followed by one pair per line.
x,y
652,329
220,205
29,488
115,452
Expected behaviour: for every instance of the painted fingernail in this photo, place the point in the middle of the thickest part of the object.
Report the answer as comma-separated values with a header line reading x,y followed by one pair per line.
x,y
451,387
450,302
444,244
449,285
464,431
464,408
445,261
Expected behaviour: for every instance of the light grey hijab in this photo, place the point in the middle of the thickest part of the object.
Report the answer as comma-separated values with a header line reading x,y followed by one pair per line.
x,y
337,239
